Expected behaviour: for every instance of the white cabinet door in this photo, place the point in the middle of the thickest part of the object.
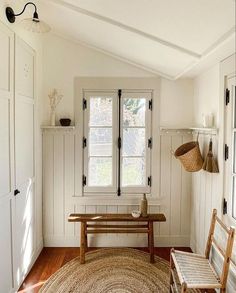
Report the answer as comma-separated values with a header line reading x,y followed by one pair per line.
x,y
6,156
24,238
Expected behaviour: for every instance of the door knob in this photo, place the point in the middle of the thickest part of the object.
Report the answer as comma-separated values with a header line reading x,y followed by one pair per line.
x,y
16,192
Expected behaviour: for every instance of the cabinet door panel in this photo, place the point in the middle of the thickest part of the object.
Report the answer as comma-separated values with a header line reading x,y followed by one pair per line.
x,y
24,234
5,167
24,140
5,54
5,245
24,69
24,160
6,156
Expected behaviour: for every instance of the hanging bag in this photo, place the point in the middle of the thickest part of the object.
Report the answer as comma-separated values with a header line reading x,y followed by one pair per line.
x,y
190,156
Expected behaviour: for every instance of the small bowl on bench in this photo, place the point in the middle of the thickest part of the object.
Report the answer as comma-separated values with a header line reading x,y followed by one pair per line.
x,y
136,214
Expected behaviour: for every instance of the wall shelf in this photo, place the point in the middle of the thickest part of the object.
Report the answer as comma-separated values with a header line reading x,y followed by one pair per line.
x,y
57,127
205,129
200,130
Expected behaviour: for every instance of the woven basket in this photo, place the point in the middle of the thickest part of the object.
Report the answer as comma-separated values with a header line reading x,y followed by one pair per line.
x,y
190,156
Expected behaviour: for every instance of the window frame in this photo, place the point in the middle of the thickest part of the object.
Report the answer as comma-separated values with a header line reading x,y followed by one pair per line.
x,y
229,133
100,189
112,190
148,134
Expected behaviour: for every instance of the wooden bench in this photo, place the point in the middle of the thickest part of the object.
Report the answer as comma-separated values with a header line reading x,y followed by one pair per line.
x,y
90,225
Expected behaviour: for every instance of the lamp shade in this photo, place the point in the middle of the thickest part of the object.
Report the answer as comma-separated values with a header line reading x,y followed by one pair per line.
x,y
35,25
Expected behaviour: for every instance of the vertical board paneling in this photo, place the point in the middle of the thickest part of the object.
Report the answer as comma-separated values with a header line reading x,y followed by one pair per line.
x,y
207,205
176,189
59,197
165,182
205,195
63,168
69,159
202,208
185,197
69,227
48,179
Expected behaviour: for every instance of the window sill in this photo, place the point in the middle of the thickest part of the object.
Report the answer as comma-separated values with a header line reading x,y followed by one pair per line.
x,y
113,199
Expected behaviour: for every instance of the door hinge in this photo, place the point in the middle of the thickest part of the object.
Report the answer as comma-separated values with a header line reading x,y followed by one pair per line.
x,y
226,152
227,96
225,207
118,191
119,143
84,180
150,104
16,192
84,104
150,181
84,142
150,142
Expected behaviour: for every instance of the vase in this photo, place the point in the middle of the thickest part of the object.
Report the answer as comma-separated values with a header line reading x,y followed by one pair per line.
x,y
53,118
144,206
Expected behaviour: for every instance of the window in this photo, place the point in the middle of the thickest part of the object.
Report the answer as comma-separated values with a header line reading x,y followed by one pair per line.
x,y
230,146
117,142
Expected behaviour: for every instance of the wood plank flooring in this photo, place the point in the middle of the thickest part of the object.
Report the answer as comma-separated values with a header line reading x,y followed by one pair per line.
x,y
52,259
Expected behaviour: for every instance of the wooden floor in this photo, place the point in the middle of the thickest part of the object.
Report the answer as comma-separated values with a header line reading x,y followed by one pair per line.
x,y
52,259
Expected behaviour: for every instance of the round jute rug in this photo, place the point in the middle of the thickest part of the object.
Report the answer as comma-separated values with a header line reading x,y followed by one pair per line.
x,y
120,270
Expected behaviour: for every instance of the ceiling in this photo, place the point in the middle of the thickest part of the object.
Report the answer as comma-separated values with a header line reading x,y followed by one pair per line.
x,y
166,37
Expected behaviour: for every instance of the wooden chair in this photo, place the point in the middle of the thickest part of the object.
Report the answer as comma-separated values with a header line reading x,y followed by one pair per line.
x,y
195,271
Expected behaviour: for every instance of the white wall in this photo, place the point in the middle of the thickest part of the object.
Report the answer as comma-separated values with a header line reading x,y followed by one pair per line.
x,y
206,95
60,71
207,189
176,103
175,106
35,41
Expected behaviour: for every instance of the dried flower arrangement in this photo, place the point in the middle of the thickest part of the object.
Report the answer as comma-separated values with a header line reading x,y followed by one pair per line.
x,y
54,100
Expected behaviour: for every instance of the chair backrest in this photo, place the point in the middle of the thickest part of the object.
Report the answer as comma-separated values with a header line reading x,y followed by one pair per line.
x,y
226,251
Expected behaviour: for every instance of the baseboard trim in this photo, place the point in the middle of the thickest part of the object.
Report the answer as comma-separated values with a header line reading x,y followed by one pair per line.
x,y
117,241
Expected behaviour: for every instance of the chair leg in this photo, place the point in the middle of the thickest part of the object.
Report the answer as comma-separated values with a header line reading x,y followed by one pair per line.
x,y
222,290
171,268
183,288
171,282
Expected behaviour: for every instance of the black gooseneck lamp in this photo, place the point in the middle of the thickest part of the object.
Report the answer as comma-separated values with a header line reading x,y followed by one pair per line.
x,y
33,24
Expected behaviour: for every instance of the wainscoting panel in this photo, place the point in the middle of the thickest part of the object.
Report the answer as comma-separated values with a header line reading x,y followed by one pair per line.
x,y
206,195
62,176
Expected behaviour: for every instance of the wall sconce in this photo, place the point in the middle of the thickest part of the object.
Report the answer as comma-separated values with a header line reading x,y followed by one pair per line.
x,y
33,24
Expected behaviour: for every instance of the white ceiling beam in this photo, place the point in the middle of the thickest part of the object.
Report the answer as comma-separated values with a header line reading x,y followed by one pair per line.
x,y
210,50
126,27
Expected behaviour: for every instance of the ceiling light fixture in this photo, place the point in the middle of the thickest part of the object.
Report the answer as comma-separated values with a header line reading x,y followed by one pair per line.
x,y
33,24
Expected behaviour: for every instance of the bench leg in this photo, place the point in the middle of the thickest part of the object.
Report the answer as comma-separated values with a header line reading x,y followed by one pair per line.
x,y
82,242
151,241
86,238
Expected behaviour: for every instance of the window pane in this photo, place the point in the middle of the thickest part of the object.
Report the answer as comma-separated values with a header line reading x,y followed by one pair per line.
x,y
133,172
134,112
234,198
100,142
100,171
134,142
234,153
100,111
234,114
